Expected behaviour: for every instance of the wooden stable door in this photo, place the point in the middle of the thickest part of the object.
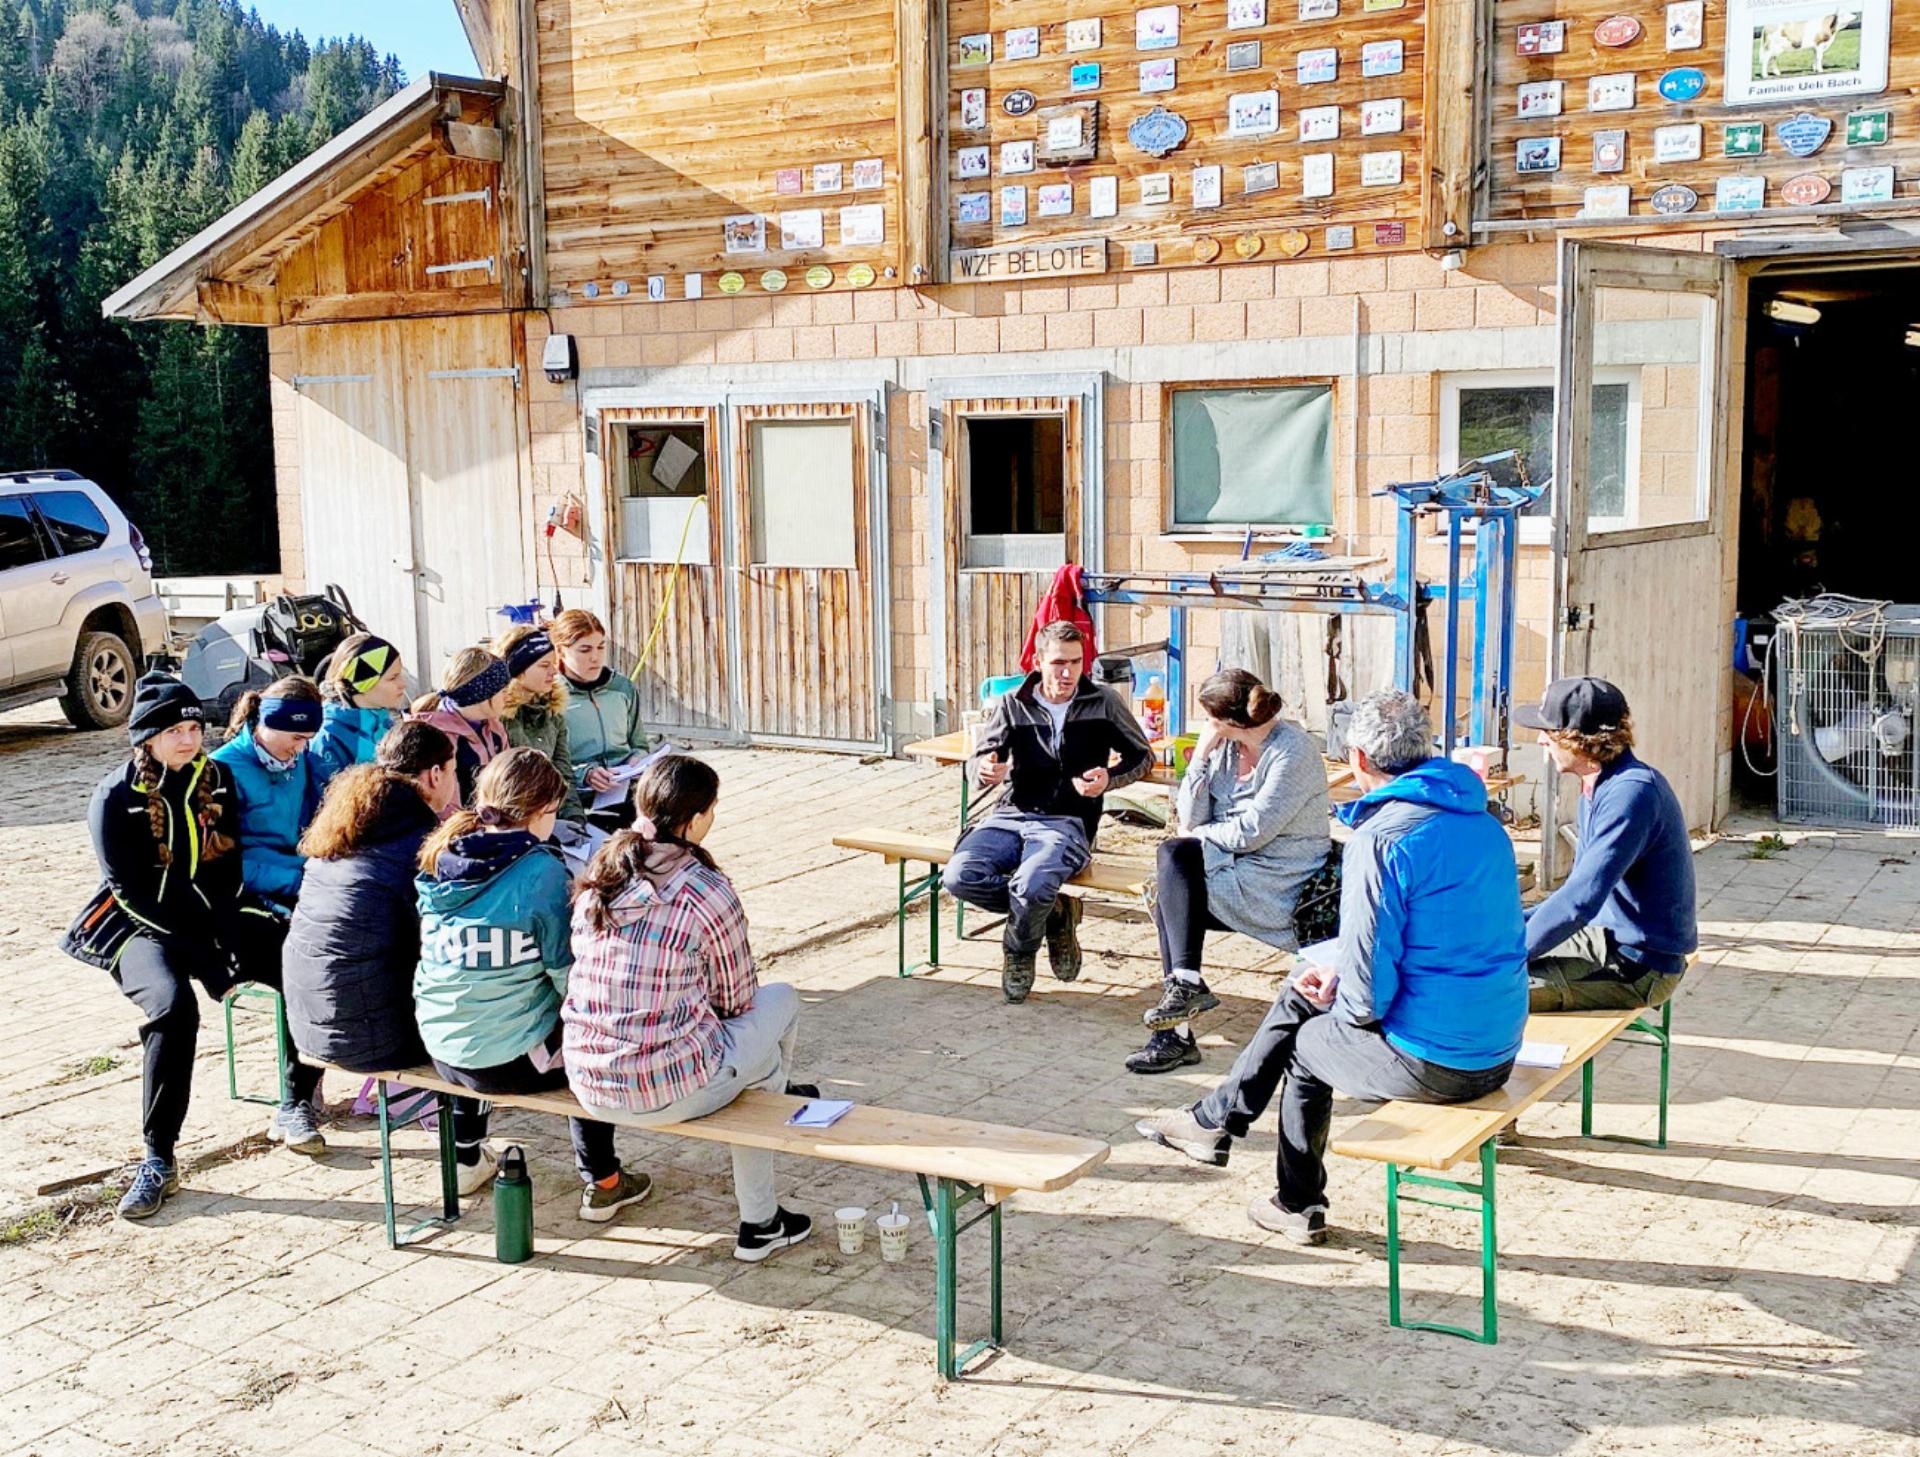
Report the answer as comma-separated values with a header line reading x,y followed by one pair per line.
x,y
808,642
1013,501
663,472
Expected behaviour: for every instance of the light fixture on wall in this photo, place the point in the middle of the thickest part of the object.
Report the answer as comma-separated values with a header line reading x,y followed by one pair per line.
x,y
1786,311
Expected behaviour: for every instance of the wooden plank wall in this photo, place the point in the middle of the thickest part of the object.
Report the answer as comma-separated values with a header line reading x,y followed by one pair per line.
x,y
1559,195
807,633
1200,95
662,118
685,684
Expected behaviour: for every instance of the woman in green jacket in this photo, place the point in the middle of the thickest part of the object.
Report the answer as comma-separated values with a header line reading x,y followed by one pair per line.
x,y
537,706
603,711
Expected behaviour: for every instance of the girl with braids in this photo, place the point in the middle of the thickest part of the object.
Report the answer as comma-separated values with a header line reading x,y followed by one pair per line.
x,y
366,688
473,696
494,955
536,711
171,910
665,1016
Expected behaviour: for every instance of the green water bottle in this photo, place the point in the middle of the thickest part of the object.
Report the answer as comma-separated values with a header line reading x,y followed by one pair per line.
x,y
513,1209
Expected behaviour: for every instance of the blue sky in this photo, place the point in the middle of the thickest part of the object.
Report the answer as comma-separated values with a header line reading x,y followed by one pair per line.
x,y
425,34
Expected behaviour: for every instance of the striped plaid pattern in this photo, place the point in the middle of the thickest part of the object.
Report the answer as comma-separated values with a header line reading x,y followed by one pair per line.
x,y
645,1000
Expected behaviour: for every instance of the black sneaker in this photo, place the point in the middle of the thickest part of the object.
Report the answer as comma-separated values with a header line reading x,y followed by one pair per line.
x,y
757,1241
153,1181
803,1090
1179,1002
1063,941
599,1204
1164,1052
1016,975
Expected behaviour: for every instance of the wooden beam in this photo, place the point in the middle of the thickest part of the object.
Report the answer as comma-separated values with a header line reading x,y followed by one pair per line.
x,y
480,20
234,303
478,143
922,106
1451,70
423,303
526,79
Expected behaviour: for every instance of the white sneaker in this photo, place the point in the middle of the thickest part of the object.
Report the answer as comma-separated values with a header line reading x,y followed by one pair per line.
x,y
475,1177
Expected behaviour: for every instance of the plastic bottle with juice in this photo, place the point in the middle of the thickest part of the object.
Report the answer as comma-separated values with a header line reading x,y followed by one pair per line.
x,y
1153,709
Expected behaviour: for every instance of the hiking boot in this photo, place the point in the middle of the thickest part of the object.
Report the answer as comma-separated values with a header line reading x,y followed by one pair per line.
x,y
1016,975
472,1178
1164,1052
1309,1227
153,1181
757,1241
599,1204
1184,1133
295,1126
1063,941
1180,1001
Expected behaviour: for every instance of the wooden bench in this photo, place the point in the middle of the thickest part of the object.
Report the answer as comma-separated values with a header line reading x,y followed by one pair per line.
x,y
1409,1137
1114,874
964,1160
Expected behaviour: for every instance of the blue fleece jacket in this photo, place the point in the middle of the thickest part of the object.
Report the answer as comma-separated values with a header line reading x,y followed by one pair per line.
x,y
348,736
495,948
1432,942
276,806
1632,876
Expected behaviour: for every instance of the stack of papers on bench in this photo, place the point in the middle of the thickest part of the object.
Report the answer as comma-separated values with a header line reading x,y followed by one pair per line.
x,y
820,1113
1541,1054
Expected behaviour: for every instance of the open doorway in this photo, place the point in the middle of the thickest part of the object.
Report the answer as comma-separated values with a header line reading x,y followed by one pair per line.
x,y
1833,372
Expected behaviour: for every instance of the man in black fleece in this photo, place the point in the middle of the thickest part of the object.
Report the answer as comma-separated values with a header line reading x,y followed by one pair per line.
x,y
1058,742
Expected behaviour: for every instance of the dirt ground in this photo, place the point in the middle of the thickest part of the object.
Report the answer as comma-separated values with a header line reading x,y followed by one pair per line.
x,y
1749,1289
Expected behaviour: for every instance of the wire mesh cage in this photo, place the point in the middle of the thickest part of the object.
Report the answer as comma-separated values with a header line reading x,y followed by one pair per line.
x,y
1847,713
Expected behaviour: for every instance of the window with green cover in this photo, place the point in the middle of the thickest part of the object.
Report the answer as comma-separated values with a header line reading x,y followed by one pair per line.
x,y
1252,456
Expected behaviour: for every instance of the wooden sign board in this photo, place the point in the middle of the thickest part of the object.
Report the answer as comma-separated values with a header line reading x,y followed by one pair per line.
x,y
1063,259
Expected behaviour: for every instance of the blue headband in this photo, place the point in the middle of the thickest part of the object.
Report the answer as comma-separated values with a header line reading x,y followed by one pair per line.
x,y
528,651
476,690
290,715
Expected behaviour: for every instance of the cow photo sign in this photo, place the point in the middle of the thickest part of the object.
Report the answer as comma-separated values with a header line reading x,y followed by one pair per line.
x,y
1801,50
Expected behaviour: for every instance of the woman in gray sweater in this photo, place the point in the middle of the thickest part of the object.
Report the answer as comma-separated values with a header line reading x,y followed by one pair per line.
x,y
1252,854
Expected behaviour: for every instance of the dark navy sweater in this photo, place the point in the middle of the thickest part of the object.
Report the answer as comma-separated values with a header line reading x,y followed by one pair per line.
x,y
1632,875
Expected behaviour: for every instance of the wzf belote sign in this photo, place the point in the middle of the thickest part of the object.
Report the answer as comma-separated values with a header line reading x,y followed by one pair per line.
x,y
1030,260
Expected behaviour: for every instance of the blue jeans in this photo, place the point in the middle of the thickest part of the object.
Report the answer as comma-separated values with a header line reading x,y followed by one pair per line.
x,y
1014,865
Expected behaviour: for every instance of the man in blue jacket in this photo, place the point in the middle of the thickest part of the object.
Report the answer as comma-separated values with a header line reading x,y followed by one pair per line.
x,y
1618,932
1423,997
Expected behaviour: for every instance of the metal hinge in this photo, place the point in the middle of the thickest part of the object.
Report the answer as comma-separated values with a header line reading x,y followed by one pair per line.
x,y
1577,618
511,372
304,381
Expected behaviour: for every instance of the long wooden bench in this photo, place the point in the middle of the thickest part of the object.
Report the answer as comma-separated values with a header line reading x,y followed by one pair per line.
x,y
1114,874
957,1161
1409,1137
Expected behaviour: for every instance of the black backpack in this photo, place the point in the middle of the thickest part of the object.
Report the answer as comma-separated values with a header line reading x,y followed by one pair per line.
x,y
306,629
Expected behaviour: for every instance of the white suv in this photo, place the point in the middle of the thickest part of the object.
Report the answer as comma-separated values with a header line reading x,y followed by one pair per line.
x,y
78,612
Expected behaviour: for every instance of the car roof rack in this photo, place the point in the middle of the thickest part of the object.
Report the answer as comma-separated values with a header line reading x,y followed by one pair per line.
x,y
25,477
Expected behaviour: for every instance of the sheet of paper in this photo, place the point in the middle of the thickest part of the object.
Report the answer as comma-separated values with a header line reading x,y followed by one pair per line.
x,y
1321,953
580,847
1541,1054
615,794
820,1113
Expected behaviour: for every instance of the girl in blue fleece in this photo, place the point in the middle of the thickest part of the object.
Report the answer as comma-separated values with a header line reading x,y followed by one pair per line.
x,y
364,693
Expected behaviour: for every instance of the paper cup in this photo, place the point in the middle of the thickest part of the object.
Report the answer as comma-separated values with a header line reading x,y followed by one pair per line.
x,y
893,1236
851,1225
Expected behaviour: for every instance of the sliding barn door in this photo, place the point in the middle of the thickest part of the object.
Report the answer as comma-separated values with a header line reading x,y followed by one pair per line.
x,y
809,645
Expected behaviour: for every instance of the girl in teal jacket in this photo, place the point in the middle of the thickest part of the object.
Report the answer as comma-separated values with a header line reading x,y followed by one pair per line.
x,y
278,784
603,710
364,693
495,947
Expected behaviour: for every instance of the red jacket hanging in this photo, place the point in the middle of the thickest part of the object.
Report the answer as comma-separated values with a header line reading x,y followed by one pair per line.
x,y
1065,600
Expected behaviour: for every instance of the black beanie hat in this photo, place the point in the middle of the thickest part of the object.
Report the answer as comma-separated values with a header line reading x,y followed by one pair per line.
x,y
159,702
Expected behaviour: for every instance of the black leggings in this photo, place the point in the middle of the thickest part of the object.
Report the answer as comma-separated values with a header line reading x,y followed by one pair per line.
x,y
593,1151
1183,918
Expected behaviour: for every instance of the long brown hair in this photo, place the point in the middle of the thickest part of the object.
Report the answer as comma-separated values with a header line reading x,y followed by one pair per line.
x,y
674,792
518,695
514,789
572,625
246,708
360,796
1236,696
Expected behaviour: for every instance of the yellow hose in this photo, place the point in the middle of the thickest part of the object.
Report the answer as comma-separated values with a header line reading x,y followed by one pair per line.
x,y
666,593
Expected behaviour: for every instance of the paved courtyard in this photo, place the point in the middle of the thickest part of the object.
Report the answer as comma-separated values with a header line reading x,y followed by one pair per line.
x,y
1750,1289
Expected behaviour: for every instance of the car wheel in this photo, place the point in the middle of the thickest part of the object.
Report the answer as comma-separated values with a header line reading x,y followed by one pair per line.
x,y
100,683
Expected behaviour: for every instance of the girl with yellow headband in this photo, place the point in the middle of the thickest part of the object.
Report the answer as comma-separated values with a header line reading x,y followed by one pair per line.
x,y
364,692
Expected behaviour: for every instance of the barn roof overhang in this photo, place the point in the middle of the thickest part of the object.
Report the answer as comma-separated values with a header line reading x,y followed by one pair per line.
x,y
200,279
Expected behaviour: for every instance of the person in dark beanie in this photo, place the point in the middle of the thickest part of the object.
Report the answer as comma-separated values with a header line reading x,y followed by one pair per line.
x,y
171,910
1618,932
473,698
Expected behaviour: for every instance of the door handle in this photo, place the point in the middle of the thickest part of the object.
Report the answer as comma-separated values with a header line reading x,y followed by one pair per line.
x,y
59,579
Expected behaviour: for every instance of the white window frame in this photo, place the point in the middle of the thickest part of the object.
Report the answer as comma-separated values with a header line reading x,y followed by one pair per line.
x,y
1023,551
698,532
1538,530
1174,529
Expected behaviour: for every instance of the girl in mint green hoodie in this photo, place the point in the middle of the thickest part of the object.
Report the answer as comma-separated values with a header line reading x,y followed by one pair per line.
x,y
495,947
603,711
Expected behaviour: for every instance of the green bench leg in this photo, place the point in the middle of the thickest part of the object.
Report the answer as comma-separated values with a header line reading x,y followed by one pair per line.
x,y
449,1171
1482,1195
943,1201
253,991
1652,1034
922,887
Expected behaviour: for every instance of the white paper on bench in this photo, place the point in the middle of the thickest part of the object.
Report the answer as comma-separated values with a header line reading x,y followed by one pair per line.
x,y
820,1113
1541,1054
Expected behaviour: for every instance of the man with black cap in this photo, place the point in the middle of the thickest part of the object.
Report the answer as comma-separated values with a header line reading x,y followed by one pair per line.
x,y
1618,932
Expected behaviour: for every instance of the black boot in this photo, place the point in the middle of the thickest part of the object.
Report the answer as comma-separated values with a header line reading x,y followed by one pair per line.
x,y
1016,974
1063,942
1180,1001
1164,1052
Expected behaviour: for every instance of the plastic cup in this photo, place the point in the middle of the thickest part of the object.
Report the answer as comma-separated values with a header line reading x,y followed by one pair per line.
x,y
851,1224
893,1236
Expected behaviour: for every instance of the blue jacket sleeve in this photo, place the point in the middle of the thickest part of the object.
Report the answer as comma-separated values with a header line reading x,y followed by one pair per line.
x,y
553,921
1616,834
1373,918
271,872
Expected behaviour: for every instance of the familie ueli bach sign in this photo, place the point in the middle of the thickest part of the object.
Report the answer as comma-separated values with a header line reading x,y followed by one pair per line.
x,y
1030,260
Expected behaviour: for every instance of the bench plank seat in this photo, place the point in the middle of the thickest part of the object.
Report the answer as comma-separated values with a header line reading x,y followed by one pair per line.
x,y
1440,1135
1116,874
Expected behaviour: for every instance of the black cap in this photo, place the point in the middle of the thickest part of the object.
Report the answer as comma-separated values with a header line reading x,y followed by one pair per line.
x,y
1584,705
160,702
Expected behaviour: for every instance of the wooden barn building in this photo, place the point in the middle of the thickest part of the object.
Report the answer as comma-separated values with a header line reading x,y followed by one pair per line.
x,y
884,309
